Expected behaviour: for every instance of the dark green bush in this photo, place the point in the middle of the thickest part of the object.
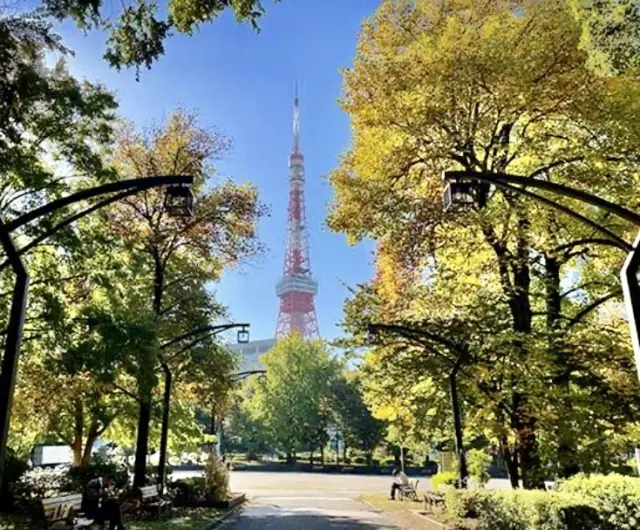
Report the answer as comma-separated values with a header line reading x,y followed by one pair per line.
x,y
519,510
616,497
188,491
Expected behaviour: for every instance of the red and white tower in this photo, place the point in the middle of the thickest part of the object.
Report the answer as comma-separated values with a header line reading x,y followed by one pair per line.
x,y
297,288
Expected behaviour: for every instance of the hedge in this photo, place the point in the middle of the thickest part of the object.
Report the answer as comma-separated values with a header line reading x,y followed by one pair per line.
x,y
519,510
616,497
596,502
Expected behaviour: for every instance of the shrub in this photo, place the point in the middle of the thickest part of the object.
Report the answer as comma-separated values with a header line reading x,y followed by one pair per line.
x,y
188,491
203,491
448,478
38,483
216,477
519,510
479,463
14,468
359,460
616,497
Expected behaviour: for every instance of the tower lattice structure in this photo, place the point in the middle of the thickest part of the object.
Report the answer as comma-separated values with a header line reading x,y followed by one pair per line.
x,y
297,288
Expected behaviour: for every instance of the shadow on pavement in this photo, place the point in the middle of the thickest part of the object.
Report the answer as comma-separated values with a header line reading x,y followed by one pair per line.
x,y
307,521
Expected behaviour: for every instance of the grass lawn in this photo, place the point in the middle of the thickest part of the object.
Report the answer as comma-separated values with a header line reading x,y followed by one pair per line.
x,y
399,511
183,519
11,522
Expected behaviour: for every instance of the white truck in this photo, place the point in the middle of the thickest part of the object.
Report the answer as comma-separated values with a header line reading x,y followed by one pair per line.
x,y
52,455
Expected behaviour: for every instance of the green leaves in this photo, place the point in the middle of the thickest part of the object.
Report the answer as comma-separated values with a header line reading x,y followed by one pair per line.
x,y
292,400
487,87
137,35
137,39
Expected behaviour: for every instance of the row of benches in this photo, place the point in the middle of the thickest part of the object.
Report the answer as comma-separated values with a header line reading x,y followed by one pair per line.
x,y
65,511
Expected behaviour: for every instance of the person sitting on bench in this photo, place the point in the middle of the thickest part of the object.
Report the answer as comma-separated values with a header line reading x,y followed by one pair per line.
x,y
100,504
399,479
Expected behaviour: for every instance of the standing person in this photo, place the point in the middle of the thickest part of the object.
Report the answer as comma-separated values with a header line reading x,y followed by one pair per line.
x,y
399,479
100,503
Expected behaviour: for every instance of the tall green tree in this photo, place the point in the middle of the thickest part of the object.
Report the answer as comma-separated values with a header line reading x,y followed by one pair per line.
x,y
498,87
360,429
52,133
293,399
175,257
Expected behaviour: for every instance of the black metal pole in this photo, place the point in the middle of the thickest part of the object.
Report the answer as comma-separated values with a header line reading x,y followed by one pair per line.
x,y
206,332
463,473
12,341
139,184
164,436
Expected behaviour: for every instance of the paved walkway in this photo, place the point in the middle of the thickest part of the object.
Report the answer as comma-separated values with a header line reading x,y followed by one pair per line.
x,y
308,513
303,501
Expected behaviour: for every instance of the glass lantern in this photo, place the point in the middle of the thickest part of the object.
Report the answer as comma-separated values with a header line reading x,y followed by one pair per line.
x,y
243,336
178,201
458,196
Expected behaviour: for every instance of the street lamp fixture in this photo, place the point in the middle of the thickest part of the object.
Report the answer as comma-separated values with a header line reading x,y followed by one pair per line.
x,y
458,196
243,336
372,334
178,201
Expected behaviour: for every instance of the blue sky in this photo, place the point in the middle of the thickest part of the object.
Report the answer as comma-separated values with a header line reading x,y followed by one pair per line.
x,y
243,82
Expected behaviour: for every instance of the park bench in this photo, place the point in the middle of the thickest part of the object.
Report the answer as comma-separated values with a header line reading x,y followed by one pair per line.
x,y
432,500
155,503
409,490
63,511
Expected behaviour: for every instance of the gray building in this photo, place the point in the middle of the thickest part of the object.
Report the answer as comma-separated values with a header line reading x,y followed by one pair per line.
x,y
251,352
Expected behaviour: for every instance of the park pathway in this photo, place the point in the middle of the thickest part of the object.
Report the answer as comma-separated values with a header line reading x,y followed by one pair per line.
x,y
308,513
299,501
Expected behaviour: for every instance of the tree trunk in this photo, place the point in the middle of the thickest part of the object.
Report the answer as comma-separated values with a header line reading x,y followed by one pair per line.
x,y
142,445
78,432
369,457
567,450
92,436
344,450
311,457
525,426
522,419
322,454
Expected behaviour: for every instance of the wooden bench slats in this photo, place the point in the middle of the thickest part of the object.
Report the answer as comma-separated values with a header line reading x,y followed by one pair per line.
x,y
61,509
153,500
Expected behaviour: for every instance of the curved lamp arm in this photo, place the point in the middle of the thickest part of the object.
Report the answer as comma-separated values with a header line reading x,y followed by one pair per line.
x,y
138,184
560,189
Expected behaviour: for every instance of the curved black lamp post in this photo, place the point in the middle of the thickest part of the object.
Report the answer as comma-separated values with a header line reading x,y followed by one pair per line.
x,y
200,334
465,188
374,329
178,201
